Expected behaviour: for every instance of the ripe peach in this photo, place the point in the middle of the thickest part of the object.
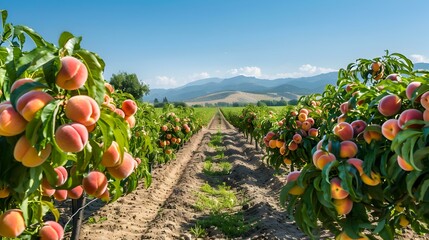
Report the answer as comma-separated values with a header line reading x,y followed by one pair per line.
x,y
374,180
321,158
310,120
358,126
389,105
279,143
120,112
168,151
344,107
320,145
76,192
302,117
370,135
131,120
105,196
426,115
375,67
337,191
348,149
11,122
111,157
72,74
297,138
129,107
62,175
294,113
313,132
91,128
411,88
109,87
404,164
124,169
287,161
306,125
47,189
95,183
51,231
12,223
296,190
292,146
410,114
390,129
403,221
357,163
342,118
4,192
60,195
343,206
344,131
394,77
343,236
272,143
164,128
304,110
71,137
31,102
28,155
82,109
18,83
424,100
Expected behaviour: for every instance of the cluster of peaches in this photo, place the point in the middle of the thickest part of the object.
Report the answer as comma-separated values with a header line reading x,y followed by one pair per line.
x,y
81,115
292,131
173,132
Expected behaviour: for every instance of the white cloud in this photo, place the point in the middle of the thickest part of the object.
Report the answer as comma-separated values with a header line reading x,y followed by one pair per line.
x,y
246,71
419,58
201,75
164,81
305,70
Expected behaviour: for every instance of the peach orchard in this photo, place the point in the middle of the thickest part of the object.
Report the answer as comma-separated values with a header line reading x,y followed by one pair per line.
x,y
357,154
65,133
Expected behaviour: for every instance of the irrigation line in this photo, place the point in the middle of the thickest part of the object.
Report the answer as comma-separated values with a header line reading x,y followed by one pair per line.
x,y
78,210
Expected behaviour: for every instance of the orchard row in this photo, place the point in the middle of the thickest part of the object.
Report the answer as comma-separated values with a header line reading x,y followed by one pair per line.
x,y
357,154
65,133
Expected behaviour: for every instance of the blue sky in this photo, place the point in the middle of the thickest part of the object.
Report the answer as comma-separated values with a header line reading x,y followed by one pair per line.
x,y
170,43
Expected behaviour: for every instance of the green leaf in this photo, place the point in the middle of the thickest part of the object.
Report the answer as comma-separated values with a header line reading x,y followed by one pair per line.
x,y
3,17
34,60
37,38
52,209
422,190
64,37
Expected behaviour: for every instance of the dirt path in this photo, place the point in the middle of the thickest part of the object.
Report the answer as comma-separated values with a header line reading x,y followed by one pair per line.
x,y
166,210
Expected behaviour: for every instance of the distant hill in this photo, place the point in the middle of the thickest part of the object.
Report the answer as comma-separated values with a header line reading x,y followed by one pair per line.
x,y
248,89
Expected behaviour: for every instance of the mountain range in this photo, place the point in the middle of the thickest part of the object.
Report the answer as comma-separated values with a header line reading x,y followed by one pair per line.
x,y
247,89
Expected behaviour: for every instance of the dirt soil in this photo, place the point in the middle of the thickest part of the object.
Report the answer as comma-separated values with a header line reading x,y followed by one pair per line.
x,y
166,210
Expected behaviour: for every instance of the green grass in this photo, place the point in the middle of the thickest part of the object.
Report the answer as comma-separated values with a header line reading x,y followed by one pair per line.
x,y
232,225
216,199
216,168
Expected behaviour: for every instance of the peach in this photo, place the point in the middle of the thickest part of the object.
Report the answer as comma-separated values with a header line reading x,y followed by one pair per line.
x,y
272,143
131,120
4,192
357,163
343,236
287,161
120,112
306,125
407,115
60,195
282,150
424,100
62,175
374,180
76,192
358,126
51,231
343,206
124,169
71,137
344,131
18,83
95,183
426,115
31,102
164,128
129,107
82,109
404,164
389,105
348,149
313,132
321,158
304,110
327,146
279,143
403,221
28,155
112,156
47,189
105,196
310,120
375,67
11,122
372,135
91,128
12,223
342,118
168,151
72,75
109,87
411,88
390,129
344,107
337,191
291,177
292,146
297,138
302,117
394,77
